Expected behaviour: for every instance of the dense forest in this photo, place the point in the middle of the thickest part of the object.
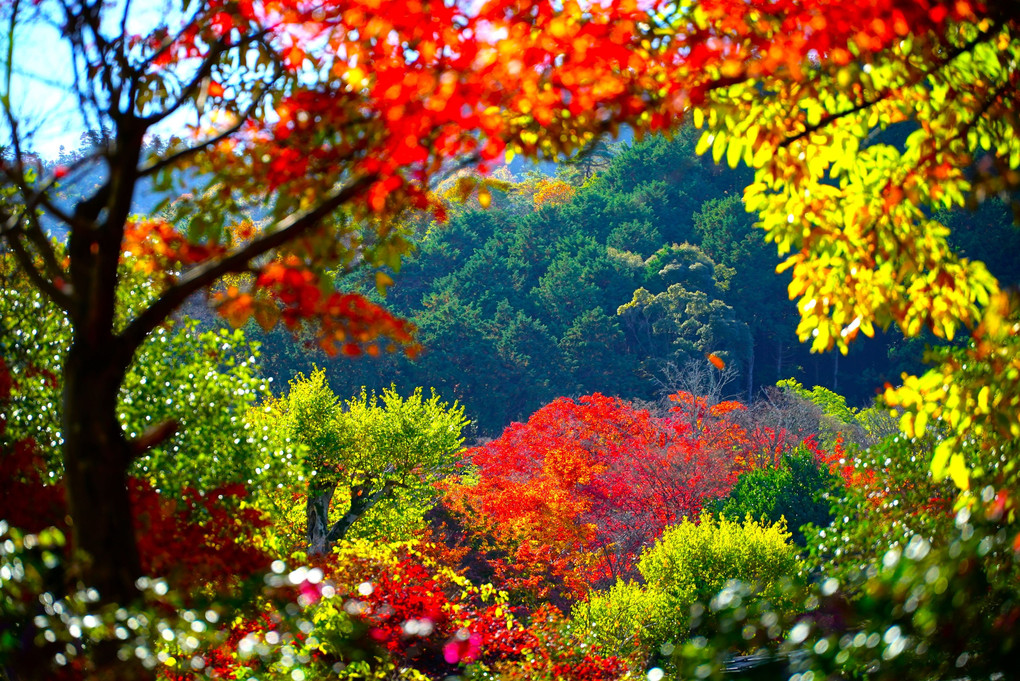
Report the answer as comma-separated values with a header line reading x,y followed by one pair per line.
x,y
610,276
491,340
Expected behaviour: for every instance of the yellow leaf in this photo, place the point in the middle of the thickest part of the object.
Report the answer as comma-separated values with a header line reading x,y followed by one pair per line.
x,y
907,426
734,152
704,142
920,422
938,462
958,471
718,148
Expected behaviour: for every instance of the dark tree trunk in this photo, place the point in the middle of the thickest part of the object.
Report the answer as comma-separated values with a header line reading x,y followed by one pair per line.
x,y
779,360
318,532
362,500
96,458
96,453
835,372
750,373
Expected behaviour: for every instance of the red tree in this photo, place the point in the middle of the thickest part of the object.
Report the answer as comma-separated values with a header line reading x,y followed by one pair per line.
x,y
578,490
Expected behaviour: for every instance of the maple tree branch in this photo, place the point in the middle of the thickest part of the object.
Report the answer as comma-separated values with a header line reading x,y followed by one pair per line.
x,y
950,57
203,72
168,42
361,503
237,260
31,228
152,437
189,90
828,120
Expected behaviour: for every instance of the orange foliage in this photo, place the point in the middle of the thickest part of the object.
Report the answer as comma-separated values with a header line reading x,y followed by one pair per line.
x,y
553,193
288,290
160,249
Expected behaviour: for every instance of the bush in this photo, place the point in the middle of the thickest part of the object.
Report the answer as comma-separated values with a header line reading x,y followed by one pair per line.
x,y
690,564
794,491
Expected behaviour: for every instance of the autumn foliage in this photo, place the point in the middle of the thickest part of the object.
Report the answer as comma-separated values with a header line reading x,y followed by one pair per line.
x,y
570,497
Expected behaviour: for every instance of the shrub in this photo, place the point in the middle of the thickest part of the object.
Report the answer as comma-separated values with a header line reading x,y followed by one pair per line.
x,y
793,492
690,564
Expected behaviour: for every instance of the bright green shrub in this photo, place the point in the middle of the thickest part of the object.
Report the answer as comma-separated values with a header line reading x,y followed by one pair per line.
x,y
700,558
794,491
626,615
692,562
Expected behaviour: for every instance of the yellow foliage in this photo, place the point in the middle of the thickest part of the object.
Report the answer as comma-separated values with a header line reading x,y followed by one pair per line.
x,y
851,212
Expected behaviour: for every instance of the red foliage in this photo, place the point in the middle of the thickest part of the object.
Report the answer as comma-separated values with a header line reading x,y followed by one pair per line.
x,y
158,248
571,496
28,502
196,539
843,466
409,611
554,654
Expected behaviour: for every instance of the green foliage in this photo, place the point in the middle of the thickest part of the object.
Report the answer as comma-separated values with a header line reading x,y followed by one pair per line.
x,y
372,446
687,568
894,499
202,381
939,608
629,616
921,610
681,324
695,560
205,382
795,492
830,402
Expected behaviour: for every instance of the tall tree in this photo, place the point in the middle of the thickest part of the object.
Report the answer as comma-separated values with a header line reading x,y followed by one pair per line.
x,y
366,453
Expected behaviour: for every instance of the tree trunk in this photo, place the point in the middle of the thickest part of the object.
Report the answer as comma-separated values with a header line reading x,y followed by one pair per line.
x,y
779,360
835,372
96,458
317,520
362,500
750,373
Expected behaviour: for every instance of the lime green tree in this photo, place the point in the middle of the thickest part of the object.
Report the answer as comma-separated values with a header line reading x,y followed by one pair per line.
x,y
377,456
692,564
183,398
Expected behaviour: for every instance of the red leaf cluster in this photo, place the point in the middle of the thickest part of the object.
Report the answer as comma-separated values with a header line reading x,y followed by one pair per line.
x,y
347,322
195,540
159,248
198,540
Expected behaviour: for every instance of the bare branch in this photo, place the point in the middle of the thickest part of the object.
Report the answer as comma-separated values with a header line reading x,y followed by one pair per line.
x,y
203,72
211,142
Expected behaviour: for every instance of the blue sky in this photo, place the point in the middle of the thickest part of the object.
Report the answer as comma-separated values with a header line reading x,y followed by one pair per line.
x,y
41,83
41,90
